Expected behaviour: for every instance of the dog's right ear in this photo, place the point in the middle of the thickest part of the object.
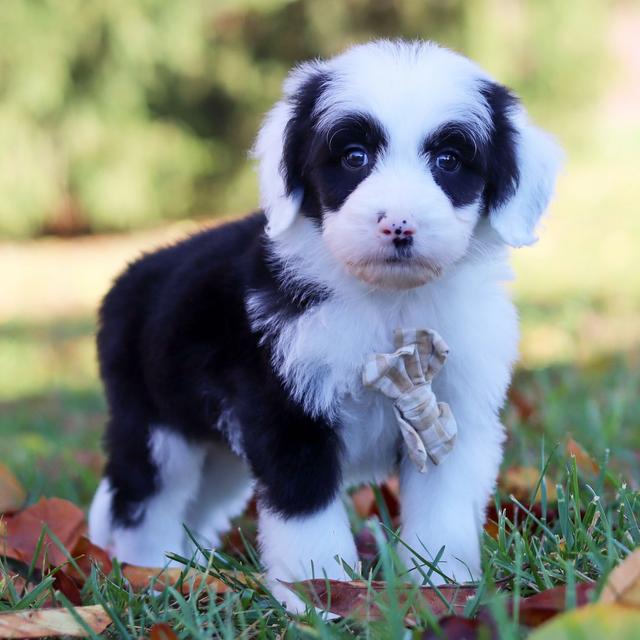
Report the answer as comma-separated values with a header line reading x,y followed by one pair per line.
x,y
281,144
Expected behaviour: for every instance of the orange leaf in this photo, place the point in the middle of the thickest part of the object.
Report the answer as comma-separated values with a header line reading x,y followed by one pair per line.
x,y
583,460
23,530
12,493
364,501
40,623
141,578
162,631
521,481
623,584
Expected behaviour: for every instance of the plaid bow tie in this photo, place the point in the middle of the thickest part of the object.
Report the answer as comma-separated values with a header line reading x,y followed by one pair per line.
x,y
427,426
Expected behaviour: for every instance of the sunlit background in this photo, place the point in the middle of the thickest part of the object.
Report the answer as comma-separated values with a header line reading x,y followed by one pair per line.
x,y
126,124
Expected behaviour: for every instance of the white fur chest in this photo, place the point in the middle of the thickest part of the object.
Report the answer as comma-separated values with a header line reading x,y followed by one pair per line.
x,y
320,355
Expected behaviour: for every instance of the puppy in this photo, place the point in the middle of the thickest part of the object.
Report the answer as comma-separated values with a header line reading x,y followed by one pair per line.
x,y
393,180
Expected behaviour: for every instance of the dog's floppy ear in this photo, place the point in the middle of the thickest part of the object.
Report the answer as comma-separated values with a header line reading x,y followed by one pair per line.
x,y
281,143
524,163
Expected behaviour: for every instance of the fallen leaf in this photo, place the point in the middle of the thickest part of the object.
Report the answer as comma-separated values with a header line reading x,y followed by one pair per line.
x,y
524,407
515,514
86,554
457,628
366,545
64,519
63,583
141,578
592,622
364,499
162,631
623,584
12,493
40,623
521,482
537,609
583,460
360,599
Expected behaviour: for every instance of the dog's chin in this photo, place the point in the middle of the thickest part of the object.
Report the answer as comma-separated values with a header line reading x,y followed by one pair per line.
x,y
405,273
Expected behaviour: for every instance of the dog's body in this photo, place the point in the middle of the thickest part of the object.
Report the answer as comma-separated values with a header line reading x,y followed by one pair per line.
x,y
393,178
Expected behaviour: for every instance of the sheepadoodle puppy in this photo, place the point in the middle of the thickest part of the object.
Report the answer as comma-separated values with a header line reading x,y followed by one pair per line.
x,y
394,178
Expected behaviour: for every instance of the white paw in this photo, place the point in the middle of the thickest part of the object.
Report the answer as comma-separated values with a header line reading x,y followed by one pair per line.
x,y
287,598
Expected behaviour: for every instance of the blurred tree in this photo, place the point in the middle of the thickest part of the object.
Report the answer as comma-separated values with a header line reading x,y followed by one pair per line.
x,y
118,113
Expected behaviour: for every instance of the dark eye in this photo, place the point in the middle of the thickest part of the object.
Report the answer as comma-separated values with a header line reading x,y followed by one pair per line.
x,y
355,158
447,161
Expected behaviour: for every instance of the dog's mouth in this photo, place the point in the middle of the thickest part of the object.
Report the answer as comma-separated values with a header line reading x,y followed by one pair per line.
x,y
402,270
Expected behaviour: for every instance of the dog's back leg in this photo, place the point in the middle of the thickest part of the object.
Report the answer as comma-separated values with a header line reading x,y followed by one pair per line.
x,y
225,488
146,517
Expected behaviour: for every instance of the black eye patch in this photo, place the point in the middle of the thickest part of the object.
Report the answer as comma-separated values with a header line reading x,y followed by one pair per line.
x,y
332,181
465,183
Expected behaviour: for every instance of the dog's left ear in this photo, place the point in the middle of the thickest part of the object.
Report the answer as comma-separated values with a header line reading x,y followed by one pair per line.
x,y
281,144
522,171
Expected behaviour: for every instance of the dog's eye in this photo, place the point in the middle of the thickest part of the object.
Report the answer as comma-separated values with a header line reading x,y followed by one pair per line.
x,y
355,158
447,161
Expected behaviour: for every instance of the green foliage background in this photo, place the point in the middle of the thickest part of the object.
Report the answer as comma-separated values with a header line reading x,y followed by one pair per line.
x,y
115,114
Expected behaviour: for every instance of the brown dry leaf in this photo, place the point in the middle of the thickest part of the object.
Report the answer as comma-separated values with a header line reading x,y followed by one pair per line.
x,y
40,623
162,631
623,584
583,460
12,493
524,407
23,530
85,553
521,481
63,583
537,609
141,578
356,598
458,628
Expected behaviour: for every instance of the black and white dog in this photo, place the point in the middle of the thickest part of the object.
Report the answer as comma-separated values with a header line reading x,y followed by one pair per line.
x,y
393,179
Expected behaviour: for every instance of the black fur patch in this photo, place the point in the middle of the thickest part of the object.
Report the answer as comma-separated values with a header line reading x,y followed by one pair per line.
x,y
297,136
176,348
464,185
312,161
488,168
333,182
502,174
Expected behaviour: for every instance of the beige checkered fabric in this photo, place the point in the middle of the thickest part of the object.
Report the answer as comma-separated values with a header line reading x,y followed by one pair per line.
x,y
427,426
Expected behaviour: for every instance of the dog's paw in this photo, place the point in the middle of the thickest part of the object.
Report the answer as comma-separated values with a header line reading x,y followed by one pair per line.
x,y
291,601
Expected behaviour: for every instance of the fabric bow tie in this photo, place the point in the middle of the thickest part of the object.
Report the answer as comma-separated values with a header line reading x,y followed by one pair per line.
x,y
427,426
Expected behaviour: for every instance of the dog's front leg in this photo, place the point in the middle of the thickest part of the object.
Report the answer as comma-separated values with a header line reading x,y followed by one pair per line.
x,y
445,507
305,546
303,524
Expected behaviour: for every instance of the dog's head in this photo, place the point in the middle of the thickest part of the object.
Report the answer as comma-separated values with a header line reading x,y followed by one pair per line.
x,y
397,150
